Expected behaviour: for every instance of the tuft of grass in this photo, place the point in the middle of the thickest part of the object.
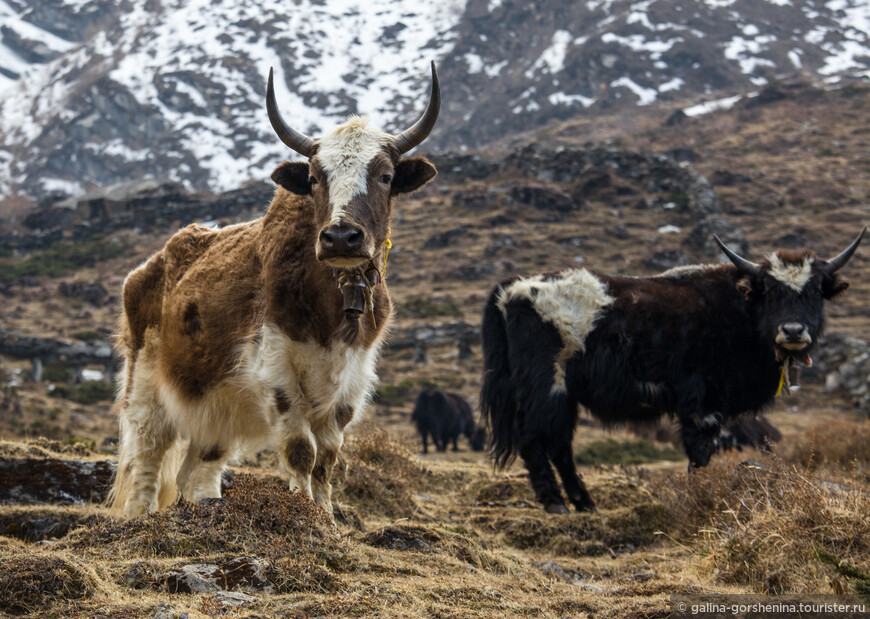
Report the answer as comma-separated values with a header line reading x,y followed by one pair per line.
x,y
381,475
757,525
33,582
56,373
832,445
610,451
89,392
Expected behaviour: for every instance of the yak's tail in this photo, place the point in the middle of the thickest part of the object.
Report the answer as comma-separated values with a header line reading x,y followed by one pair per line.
x,y
498,404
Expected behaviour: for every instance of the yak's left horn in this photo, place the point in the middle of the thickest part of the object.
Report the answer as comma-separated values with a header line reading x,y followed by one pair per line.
x,y
838,262
747,266
299,142
418,132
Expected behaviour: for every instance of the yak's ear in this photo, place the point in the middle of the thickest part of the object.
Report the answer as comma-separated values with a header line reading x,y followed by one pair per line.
x,y
744,286
411,174
833,285
293,176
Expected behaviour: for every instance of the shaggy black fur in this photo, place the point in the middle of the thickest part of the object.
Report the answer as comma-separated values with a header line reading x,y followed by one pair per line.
x,y
444,416
697,345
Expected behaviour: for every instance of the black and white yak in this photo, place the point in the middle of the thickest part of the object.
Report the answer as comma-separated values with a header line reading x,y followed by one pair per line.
x,y
445,416
704,343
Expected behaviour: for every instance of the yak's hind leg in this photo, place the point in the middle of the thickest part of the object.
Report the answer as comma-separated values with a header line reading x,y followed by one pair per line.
x,y
547,492
562,456
538,359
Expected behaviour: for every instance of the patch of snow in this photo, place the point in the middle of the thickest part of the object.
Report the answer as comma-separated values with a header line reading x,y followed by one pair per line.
x,y
744,52
674,84
668,229
645,96
70,188
639,43
795,57
493,5
560,98
845,56
474,62
816,35
552,58
493,71
711,106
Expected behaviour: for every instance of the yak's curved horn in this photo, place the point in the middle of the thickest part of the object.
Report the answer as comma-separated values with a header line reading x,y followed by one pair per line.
x,y
743,264
418,132
838,262
299,142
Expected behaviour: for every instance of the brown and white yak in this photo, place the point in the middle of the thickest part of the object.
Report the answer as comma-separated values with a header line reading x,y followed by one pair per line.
x,y
265,333
703,343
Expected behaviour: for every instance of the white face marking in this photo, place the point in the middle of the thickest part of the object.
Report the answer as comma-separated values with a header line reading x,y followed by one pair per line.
x,y
572,302
345,155
795,276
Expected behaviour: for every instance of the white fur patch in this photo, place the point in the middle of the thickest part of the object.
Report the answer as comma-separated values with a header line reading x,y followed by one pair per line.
x,y
795,276
686,271
345,155
572,302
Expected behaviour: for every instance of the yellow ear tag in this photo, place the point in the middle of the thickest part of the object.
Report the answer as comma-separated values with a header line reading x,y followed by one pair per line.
x,y
387,245
781,382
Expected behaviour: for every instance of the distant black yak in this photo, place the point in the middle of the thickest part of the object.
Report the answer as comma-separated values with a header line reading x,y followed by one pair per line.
x,y
444,416
705,343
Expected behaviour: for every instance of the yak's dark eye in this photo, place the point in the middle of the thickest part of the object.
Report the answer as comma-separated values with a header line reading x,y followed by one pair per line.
x,y
386,179
312,181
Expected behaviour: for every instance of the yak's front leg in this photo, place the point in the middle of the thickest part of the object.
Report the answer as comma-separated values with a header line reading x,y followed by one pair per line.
x,y
200,474
699,437
297,447
330,438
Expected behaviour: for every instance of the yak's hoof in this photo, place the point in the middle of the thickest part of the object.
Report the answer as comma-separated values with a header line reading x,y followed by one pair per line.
x,y
585,507
556,508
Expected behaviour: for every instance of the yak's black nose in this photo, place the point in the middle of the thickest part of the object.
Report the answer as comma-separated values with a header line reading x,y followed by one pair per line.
x,y
793,331
342,239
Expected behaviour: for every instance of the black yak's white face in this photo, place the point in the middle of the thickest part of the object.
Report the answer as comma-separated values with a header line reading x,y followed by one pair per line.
x,y
792,300
786,295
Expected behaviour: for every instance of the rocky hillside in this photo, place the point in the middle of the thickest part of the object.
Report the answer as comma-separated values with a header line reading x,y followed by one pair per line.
x,y
95,93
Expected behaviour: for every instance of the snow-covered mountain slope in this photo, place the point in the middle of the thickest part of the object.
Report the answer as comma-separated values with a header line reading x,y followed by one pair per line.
x,y
95,92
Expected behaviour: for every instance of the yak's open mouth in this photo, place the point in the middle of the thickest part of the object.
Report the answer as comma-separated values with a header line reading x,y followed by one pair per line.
x,y
797,353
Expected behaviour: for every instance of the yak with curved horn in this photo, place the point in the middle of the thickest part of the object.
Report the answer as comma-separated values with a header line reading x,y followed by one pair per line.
x,y
265,333
704,343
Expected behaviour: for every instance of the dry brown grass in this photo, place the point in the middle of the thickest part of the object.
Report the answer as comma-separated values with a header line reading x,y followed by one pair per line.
x,y
776,528
380,475
35,581
838,444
